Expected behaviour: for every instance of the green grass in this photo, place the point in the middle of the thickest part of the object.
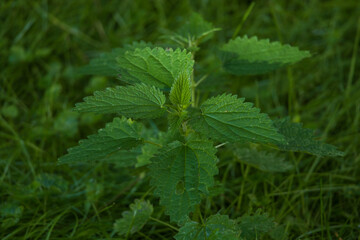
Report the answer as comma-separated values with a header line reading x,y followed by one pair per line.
x,y
43,42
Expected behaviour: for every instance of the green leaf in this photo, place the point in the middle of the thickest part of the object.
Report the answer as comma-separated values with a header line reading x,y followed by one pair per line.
x,y
228,118
255,226
303,140
216,227
124,158
10,111
243,55
121,134
51,182
10,214
149,150
196,29
180,94
176,120
138,101
94,191
181,173
265,161
132,221
158,67
278,233
140,155
105,64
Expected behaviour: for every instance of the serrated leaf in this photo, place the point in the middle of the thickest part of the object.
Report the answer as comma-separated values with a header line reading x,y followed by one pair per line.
x,y
124,158
196,29
176,120
105,64
180,94
181,173
303,140
255,226
244,56
138,101
216,227
121,134
228,118
148,151
132,221
265,161
158,67
140,155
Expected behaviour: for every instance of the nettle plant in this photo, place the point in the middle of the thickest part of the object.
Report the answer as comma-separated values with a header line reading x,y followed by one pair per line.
x,y
182,161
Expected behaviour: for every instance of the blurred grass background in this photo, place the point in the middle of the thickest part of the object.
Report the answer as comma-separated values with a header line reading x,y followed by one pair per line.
x,y
43,42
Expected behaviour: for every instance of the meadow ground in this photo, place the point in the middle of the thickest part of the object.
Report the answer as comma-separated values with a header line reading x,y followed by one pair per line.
x,y
43,42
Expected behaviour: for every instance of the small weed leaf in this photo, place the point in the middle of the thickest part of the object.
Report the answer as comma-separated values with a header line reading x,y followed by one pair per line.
x,y
255,226
132,221
216,227
10,214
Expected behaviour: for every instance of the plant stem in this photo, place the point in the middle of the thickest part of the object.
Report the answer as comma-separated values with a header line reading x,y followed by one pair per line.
x,y
246,15
353,61
201,80
221,144
242,187
164,223
153,143
193,87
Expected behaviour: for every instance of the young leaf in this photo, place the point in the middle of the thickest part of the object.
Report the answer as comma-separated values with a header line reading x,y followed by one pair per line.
x,y
253,227
132,221
265,161
121,134
216,227
138,101
196,29
228,118
180,94
181,172
175,121
105,64
243,55
303,140
157,66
